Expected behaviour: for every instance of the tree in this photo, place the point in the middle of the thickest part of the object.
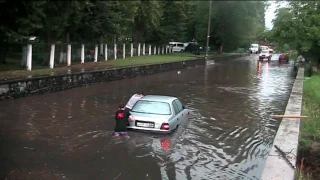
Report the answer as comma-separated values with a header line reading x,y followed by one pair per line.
x,y
18,21
233,23
146,20
298,25
173,21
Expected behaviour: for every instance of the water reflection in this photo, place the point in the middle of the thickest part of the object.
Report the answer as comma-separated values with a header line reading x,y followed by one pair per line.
x,y
228,135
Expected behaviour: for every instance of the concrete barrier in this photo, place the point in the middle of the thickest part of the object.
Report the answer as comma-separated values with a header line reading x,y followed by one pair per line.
x,y
281,162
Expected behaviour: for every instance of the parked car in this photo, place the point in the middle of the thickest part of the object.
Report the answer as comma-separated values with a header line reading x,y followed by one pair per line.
x,y
177,46
265,54
158,114
193,48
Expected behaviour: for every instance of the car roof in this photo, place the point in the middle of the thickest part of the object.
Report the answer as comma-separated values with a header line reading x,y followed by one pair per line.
x,y
193,44
159,98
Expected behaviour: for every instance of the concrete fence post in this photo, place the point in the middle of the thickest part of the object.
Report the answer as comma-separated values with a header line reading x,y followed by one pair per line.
x,y
69,55
82,53
154,50
149,50
159,50
96,53
163,50
139,46
144,49
166,49
29,57
124,51
106,52
115,51
52,56
131,50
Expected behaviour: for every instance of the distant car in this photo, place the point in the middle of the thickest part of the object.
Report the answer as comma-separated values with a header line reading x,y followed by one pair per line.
x,y
158,114
265,54
284,58
177,46
254,48
193,48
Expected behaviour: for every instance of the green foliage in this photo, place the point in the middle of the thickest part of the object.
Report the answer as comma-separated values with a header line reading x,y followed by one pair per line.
x,y
298,26
310,127
233,24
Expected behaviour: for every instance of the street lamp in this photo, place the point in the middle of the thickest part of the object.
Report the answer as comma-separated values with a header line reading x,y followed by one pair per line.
x,y
208,34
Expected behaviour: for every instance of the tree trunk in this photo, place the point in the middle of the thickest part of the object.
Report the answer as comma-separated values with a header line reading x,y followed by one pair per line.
x,y
68,38
24,56
220,49
47,56
3,54
136,35
115,39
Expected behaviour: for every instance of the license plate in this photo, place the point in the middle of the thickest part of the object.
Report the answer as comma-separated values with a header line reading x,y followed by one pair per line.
x,y
148,125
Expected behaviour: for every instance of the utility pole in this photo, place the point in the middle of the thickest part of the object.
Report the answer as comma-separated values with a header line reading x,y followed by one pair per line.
x,y
208,34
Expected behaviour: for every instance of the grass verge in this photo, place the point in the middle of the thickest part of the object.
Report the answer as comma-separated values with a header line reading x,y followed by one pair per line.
x,y
7,73
309,142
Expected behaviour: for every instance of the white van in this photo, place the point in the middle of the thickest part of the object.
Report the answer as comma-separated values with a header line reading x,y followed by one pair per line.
x,y
177,46
254,48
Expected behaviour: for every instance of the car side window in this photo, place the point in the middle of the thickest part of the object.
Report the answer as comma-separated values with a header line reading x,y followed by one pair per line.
x,y
179,104
175,107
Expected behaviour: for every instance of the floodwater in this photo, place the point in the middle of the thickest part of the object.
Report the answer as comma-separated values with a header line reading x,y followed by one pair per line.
x,y
68,134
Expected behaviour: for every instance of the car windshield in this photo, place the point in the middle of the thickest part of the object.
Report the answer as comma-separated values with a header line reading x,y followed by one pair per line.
x,y
254,46
152,107
265,51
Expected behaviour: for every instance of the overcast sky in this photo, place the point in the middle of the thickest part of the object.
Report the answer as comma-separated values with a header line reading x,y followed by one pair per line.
x,y
270,13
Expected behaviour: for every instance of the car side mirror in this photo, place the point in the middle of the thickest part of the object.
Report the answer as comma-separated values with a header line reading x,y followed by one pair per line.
x,y
183,107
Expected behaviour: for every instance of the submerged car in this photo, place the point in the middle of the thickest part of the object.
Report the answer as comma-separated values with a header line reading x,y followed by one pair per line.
x,y
158,114
265,54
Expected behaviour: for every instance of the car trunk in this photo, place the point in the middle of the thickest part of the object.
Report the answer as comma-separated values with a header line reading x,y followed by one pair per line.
x,y
149,120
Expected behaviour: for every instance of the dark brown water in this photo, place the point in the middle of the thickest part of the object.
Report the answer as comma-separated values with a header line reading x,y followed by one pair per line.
x,y
68,135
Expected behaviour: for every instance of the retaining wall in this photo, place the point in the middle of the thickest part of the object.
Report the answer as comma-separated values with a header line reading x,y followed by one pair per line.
x,y
282,158
17,88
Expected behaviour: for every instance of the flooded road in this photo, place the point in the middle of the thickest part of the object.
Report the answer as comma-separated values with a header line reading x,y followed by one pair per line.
x,y
68,134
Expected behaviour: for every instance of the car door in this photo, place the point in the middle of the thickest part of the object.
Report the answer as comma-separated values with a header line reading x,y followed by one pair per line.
x,y
178,111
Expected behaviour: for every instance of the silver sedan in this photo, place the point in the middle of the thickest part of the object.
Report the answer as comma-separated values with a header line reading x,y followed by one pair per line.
x,y
158,113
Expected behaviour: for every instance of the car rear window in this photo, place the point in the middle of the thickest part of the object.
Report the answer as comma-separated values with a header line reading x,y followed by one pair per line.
x,y
265,51
152,107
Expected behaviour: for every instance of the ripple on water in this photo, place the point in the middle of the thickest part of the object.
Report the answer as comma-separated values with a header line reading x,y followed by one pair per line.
x,y
228,135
